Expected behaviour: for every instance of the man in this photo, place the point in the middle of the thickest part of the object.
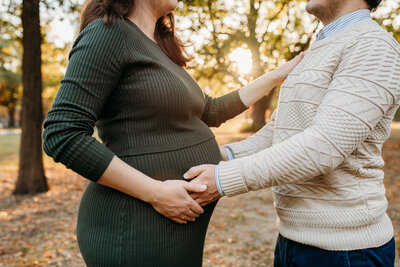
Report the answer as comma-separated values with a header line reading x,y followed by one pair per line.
x,y
321,154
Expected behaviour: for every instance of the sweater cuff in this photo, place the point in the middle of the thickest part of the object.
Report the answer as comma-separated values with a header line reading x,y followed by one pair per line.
x,y
238,105
230,105
237,149
217,181
102,158
230,178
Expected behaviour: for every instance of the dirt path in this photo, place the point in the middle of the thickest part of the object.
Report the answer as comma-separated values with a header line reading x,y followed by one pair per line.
x,y
39,230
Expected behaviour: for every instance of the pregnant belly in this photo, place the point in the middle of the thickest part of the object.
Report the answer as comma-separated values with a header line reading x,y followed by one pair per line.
x,y
173,164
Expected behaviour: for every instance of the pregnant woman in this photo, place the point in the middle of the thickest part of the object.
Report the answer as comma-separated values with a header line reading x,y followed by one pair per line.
x,y
126,76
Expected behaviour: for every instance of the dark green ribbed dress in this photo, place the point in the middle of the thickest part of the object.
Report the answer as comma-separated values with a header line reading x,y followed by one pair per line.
x,y
151,114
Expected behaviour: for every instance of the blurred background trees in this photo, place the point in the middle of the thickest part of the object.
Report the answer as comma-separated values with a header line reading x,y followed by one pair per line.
x,y
22,21
9,93
233,42
10,74
237,41
243,40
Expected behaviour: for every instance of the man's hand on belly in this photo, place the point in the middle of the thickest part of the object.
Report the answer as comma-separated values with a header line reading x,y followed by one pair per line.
x,y
205,175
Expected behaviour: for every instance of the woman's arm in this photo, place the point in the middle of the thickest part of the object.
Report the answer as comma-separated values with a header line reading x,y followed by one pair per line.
x,y
220,109
255,90
170,198
95,65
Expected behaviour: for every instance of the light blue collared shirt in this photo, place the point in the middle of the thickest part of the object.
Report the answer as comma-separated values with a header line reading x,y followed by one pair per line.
x,y
338,25
217,180
229,153
344,22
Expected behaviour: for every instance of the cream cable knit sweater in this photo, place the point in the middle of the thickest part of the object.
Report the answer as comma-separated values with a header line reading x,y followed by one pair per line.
x,y
322,151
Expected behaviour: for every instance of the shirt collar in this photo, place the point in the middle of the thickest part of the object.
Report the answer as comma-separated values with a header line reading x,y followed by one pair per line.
x,y
344,22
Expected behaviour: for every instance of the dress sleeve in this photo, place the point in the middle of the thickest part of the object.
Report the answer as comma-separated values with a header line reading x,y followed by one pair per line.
x,y
219,110
94,69
365,86
255,143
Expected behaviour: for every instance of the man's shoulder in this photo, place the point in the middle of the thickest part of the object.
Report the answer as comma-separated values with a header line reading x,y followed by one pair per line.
x,y
373,33
366,31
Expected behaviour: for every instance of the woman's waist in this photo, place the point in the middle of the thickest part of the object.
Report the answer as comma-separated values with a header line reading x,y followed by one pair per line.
x,y
134,143
172,164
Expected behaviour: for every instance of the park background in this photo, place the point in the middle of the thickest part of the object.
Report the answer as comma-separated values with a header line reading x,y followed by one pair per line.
x,y
232,43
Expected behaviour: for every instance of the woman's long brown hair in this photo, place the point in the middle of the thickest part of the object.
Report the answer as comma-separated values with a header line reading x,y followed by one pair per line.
x,y
112,10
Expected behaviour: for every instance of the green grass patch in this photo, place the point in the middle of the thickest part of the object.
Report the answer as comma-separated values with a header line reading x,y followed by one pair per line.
x,y
9,153
9,149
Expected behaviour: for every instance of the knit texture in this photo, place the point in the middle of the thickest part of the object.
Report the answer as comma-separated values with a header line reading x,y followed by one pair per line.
x,y
141,102
322,154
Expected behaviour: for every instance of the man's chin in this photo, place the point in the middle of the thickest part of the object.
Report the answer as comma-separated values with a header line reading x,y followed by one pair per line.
x,y
315,9
311,8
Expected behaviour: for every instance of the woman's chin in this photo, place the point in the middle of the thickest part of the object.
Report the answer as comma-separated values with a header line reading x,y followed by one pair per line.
x,y
168,6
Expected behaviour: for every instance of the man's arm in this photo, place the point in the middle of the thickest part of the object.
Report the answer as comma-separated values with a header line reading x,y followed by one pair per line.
x,y
255,143
365,86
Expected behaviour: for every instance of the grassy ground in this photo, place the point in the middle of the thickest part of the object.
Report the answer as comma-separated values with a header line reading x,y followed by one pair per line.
x,y
9,147
40,230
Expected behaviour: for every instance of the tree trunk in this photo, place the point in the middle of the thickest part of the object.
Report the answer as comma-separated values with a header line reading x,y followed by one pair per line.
x,y
258,113
11,121
31,178
259,108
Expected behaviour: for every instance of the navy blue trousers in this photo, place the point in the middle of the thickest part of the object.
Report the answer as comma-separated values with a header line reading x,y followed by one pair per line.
x,y
289,253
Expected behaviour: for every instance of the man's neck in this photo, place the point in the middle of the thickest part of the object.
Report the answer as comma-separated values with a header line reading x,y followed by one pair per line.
x,y
346,9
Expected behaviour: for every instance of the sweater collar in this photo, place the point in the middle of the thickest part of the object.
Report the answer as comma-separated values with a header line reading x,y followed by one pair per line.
x,y
344,22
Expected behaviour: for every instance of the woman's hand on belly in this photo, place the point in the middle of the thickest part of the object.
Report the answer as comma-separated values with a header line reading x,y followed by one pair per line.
x,y
171,199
